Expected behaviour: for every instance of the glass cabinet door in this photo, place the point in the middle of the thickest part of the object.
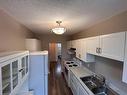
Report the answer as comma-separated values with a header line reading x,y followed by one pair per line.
x,y
15,73
23,67
6,80
26,64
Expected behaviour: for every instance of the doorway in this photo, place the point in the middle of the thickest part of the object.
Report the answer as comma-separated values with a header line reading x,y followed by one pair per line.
x,y
54,52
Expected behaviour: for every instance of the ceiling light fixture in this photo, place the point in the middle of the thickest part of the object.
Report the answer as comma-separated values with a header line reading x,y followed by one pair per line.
x,y
58,30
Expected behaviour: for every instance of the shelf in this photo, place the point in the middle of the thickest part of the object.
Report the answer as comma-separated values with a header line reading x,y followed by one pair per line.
x,y
15,77
5,81
5,93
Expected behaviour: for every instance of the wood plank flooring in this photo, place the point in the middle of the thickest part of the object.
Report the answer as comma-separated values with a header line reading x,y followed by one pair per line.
x,y
57,83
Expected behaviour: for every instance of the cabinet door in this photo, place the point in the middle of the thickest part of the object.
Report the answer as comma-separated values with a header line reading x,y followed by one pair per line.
x,y
92,44
14,74
27,64
74,44
6,79
78,48
23,62
82,91
68,44
81,52
124,77
83,49
74,84
112,46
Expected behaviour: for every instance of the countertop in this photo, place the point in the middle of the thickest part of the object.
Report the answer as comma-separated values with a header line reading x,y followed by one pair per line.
x,y
39,52
82,72
4,56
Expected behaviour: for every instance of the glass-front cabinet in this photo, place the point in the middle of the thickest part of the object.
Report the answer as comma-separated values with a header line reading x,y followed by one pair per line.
x,y
13,73
24,65
6,79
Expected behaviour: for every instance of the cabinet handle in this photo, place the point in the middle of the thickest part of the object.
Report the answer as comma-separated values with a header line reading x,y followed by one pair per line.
x,y
20,70
97,50
100,50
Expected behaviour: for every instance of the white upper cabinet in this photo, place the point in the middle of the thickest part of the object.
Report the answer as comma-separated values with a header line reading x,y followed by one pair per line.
x,y
73,43
69,44
84,55
112,46
81,51
109,46
78,48
93,45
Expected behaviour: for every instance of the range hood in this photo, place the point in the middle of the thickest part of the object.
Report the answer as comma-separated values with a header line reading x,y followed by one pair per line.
x,y
71,51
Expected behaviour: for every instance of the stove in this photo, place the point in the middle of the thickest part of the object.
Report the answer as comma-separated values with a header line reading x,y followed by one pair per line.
x,y
67,66
71,64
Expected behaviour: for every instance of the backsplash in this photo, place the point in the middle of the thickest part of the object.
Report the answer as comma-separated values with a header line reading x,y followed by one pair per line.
x,y
111,69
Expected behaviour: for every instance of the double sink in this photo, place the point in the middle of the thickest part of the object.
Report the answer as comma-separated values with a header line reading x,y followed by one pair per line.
x,y
97,85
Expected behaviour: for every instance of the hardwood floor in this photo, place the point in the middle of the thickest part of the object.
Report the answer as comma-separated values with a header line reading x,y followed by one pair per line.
x,y
57,83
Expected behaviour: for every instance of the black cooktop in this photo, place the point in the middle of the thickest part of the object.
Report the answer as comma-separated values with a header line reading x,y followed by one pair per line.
x,y
68,63
75,65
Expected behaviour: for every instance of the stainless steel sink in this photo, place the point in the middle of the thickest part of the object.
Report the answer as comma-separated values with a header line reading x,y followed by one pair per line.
x,y
97,85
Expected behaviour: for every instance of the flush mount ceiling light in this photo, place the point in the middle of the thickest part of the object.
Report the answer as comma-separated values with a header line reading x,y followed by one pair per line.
x,y
58,30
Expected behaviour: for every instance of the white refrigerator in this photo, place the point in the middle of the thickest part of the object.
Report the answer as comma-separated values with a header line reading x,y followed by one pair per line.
x,y
38,79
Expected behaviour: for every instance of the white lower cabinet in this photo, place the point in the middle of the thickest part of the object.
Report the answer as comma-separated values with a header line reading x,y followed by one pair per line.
x,y
82,90
76,87
13,72
124,77
74,84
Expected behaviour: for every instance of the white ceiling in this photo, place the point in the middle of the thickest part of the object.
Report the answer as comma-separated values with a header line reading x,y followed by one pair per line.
x,y
40,15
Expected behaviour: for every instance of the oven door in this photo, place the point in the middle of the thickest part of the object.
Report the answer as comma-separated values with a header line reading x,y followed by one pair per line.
x,y
67,75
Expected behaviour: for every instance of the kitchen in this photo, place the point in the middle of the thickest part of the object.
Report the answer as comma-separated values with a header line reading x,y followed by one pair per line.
x,y
93,52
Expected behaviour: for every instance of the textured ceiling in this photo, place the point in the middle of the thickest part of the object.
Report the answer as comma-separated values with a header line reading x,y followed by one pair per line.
x,y
40,15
